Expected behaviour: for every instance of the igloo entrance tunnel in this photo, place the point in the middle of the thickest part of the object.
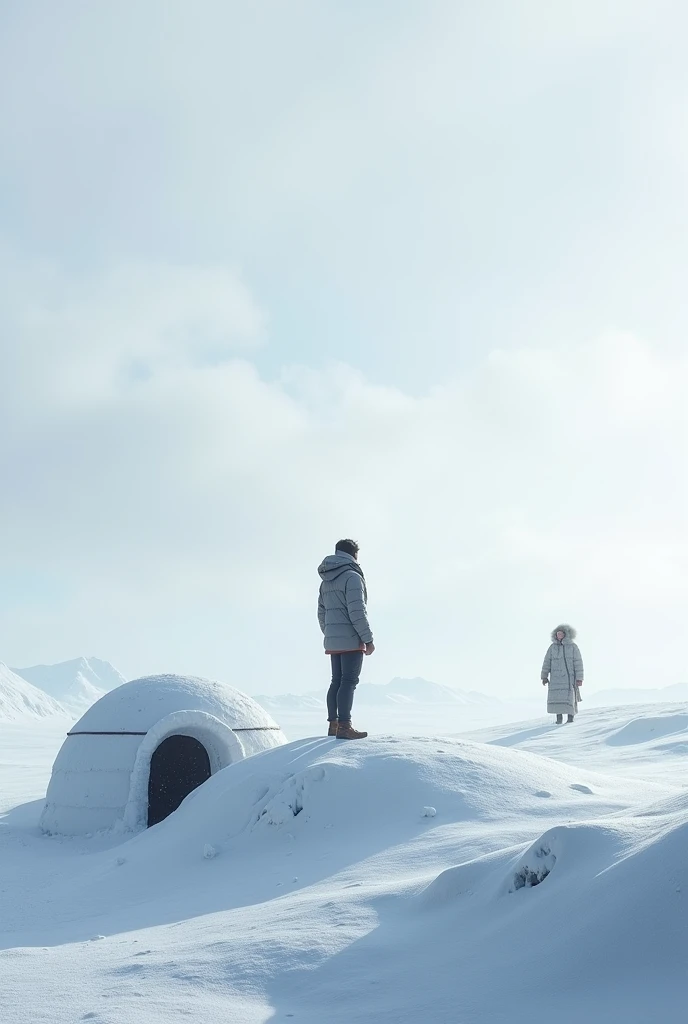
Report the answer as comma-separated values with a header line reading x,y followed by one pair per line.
x,y
143,747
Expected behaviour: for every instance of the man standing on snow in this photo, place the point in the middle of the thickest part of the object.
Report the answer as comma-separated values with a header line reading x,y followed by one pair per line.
x,y
344,621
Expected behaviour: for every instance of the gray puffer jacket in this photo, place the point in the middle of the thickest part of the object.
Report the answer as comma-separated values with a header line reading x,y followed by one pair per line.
x,y
342,604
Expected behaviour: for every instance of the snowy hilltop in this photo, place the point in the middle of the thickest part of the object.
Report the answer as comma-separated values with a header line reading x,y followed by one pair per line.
x,y
75,684
20,700
532,873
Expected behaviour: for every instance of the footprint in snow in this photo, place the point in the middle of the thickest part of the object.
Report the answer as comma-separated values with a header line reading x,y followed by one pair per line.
x,y
543,793
581,789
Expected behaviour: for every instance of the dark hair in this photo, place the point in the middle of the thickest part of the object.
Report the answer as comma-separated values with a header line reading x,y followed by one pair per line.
x,y
349,547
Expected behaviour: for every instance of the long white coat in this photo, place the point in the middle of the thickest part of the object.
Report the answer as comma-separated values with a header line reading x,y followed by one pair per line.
x,y
562,669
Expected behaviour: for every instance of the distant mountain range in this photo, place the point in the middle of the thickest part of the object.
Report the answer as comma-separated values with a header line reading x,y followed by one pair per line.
x,y
19,699
68,688
75,684
422,692
418,691
398,692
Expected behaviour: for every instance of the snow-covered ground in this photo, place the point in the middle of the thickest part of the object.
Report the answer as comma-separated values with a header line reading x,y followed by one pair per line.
x,y
380,881
301,719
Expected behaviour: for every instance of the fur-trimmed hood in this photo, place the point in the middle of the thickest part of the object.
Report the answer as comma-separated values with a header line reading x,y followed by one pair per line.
x,y
568,631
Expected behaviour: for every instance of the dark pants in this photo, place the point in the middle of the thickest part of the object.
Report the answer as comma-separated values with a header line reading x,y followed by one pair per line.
x,y
346,668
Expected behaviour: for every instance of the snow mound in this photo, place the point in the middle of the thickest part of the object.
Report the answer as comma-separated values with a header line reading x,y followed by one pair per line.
x,y
646,742
540,891
330,804
76,684
19,699
603,900
648,728
383,780
372,793
595,883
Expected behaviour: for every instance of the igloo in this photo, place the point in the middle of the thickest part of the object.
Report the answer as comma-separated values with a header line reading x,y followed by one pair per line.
x,y
143,747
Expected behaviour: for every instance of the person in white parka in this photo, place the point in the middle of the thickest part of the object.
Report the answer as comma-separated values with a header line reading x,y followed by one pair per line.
x,y
562,671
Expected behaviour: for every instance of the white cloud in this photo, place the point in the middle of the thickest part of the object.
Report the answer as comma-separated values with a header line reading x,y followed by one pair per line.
x,y
538,483
85,341
417,194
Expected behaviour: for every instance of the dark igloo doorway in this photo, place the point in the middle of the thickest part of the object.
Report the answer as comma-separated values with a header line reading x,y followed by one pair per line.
x,y
178,766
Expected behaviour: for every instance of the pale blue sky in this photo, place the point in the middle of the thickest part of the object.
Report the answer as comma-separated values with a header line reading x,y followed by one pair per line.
x,y
273,273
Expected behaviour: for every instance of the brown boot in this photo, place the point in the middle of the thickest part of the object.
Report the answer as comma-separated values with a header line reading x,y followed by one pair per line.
x,y
332,731
346,731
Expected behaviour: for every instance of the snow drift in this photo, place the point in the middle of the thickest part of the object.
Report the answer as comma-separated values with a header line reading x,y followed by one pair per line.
x,y
427,878
342,803
598,906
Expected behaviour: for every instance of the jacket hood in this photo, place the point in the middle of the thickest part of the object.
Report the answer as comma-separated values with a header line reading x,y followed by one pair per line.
x,y
334,565
568,631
